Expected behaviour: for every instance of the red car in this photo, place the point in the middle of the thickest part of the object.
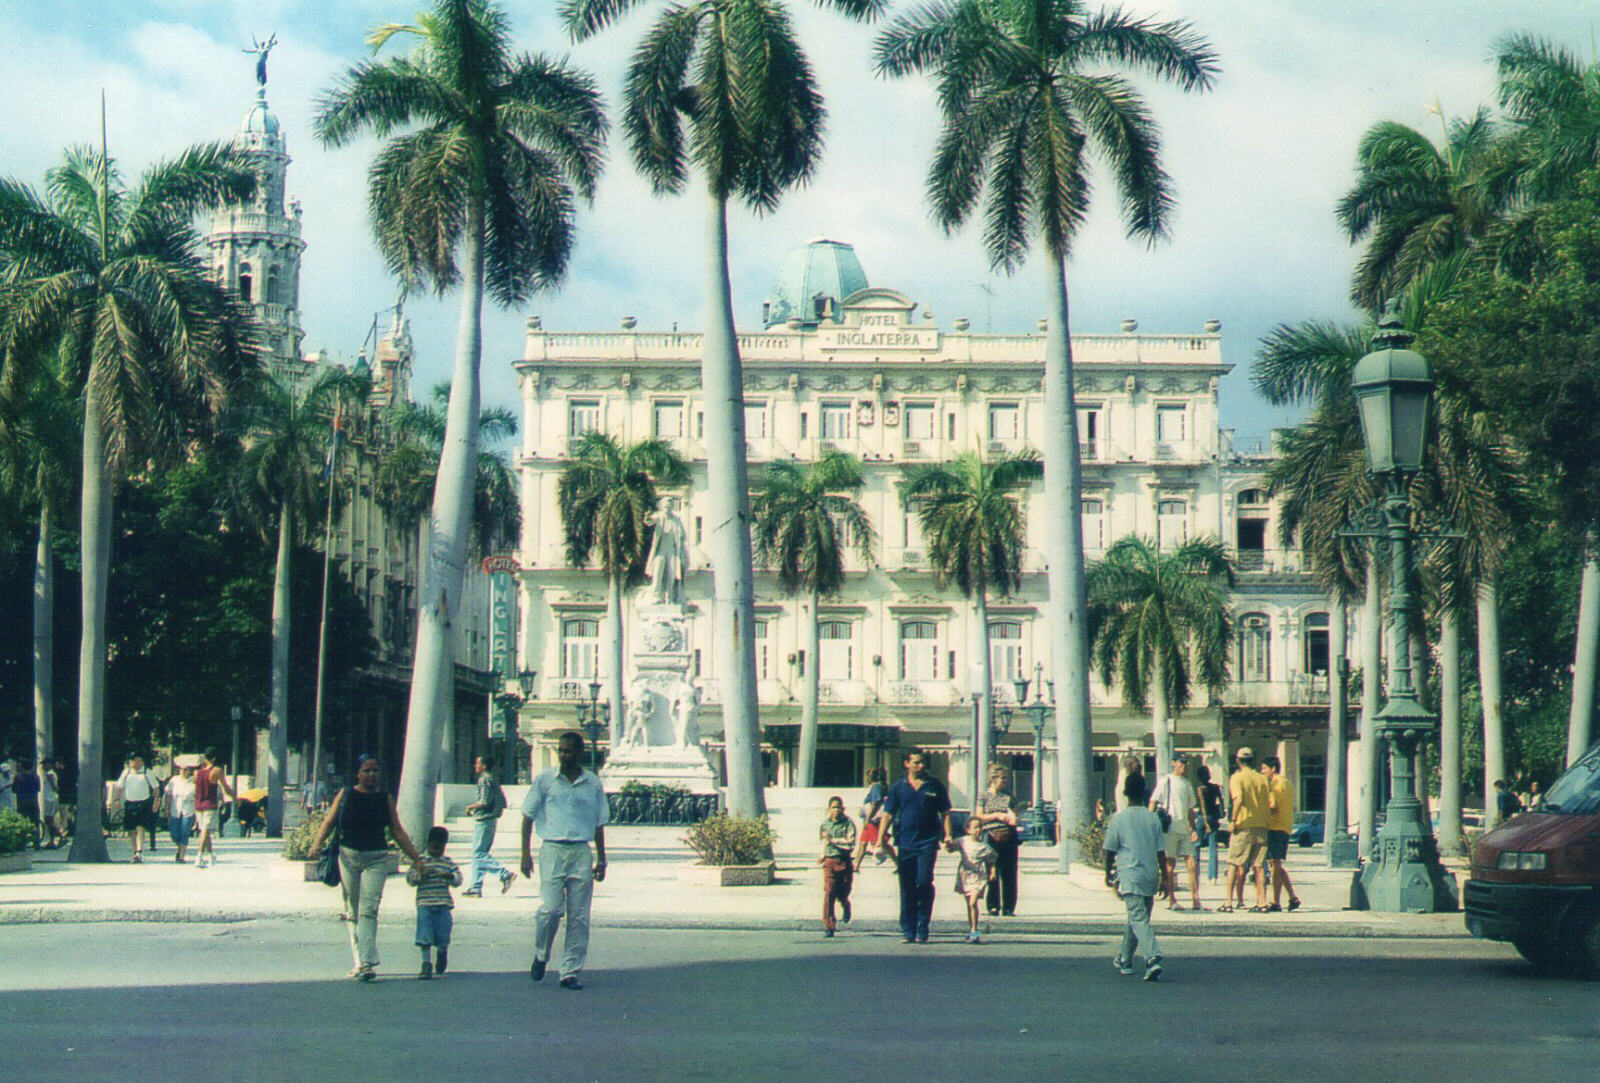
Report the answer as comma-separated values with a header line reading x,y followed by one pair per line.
x,y
1536,878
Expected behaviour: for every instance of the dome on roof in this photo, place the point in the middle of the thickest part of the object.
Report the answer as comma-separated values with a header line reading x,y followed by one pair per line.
x,y
813,281
258,121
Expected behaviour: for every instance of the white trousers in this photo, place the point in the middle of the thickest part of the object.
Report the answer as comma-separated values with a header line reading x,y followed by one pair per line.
x,y
566,886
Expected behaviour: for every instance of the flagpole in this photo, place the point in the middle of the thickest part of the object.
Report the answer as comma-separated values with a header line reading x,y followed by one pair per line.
x,y
322,634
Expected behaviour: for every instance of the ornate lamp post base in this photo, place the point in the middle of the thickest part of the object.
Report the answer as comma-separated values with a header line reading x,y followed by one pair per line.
x,y
1403,874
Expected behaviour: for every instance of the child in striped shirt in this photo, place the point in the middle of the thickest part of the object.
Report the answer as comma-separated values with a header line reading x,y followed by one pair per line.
x,y
433,877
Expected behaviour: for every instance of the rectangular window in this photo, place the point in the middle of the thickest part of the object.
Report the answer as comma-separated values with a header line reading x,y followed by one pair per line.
x,y
838,651
1171,424
583,415
1089,435
919,421
1255,641
669,419
950,427
1005,651
1172,524
580,648
699,424
1094,526
919,650
697,661
699,530
805,424
1005,420
950,665
755,421
763,658
836,421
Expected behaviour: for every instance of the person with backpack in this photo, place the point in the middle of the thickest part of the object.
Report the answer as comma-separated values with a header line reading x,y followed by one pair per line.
x,y
486,811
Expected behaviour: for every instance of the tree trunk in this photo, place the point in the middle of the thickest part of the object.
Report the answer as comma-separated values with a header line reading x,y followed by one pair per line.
x,y
1371,679
728,515
433,660
614,654
1160,710
1580,723
1450,731
982,665
44,636
88,836
1422,681
1336,804
806,768
278,714
1494,737
1068,604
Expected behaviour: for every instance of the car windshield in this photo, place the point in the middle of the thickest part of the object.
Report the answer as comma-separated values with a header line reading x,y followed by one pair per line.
x,y
1577,791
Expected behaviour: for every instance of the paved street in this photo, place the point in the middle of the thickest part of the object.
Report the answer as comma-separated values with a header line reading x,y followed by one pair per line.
x,y
266,998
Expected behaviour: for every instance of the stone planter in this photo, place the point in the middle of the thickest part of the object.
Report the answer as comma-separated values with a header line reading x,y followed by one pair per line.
x,y
305,872
729,875
21,861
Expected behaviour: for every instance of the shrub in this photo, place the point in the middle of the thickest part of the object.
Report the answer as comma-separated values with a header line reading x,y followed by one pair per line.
x,y
16,832
1090,840
731,840
297,843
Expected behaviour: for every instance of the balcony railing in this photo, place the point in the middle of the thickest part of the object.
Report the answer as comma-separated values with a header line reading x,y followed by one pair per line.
x,y
921,693
1299,690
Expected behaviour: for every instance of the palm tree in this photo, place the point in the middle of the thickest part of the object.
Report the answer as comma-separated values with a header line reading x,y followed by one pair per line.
x,y
1159,620
1023,107
805,518
607,494
973,521
282,486
1553,102
39,441
478,194
109,278
733,74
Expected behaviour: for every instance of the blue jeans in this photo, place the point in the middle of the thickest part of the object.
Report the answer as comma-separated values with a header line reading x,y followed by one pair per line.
x,y
483,862
433,926
916,891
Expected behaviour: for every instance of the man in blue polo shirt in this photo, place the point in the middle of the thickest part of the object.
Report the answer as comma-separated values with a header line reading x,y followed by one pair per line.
x,y
920,810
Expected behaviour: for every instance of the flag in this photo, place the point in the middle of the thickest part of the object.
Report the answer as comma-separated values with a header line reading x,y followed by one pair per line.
x,y
333,445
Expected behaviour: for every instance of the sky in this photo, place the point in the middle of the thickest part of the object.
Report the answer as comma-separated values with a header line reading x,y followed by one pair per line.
x,y
1258,164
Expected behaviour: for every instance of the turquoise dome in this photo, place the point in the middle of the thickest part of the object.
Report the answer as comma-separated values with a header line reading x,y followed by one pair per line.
x,y
814,279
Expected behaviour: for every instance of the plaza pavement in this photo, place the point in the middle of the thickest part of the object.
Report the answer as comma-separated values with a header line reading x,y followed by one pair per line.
x,y
645,888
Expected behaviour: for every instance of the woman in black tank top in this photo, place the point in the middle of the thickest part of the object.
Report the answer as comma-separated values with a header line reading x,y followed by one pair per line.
x,y
362,813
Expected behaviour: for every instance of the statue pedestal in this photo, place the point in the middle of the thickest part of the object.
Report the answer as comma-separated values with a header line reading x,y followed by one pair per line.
x,y
660,742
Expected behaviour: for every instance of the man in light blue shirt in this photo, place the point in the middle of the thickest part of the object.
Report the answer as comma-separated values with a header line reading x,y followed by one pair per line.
x,y
567,805
1134,846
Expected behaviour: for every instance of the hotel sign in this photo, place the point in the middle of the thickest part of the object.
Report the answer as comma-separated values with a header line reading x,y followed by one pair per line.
x,y
502,613
879,332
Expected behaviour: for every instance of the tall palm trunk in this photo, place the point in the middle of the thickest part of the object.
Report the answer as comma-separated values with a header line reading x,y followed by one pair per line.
x,y
614,654
1159,711
1063,553
1337,804
88,837
983,666
44,636
278,715
1450,731
1422,681
1371,679
806,769
728,508
433,662
1580,723
1494,736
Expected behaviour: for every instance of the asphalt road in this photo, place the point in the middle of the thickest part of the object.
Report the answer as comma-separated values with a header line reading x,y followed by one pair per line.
x,y
267,1000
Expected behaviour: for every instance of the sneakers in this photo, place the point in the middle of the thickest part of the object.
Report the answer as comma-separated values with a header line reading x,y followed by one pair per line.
x,y
1153,971
973,938
827,934
444,960
1123,966
138,859
922,936
844,911
427,971
507,879
571,982
880,857
536,971
366,973
472,893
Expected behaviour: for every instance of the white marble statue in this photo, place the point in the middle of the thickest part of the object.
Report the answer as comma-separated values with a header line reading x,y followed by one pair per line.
x,y
669,553
637,732
685,709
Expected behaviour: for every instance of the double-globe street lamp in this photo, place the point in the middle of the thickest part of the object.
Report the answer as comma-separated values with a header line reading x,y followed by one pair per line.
x,y
1038,819
594,718
503,728
1393,390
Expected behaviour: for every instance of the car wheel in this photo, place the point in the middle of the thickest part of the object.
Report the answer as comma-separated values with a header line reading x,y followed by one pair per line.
x,y
1304,839
1547,956
1584,958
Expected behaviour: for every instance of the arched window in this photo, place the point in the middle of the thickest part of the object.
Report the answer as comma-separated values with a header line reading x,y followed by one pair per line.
x,y
246,283
274,290
1005,651
919,650
1252,498
838,650
1316,641
1255,642
580,648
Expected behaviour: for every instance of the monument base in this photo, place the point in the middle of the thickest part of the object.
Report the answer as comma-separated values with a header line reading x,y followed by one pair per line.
x,y
1342,851
689,769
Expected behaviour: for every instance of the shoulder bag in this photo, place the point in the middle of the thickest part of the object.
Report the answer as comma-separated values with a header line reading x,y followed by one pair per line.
x,y
328,863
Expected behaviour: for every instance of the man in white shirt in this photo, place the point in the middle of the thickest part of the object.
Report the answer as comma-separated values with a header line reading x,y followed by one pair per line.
x,y
567,804
1176,796
139,790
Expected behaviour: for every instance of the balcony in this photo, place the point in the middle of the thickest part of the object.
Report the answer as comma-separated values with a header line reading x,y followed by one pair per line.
x,y
916,450
842,693
1269,561
1300,690
921,693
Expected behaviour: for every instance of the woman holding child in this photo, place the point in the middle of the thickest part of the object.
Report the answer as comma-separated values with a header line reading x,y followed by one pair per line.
x,y
999,821
362,813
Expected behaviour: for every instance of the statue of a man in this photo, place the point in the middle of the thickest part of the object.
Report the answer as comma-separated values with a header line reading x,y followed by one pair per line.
x,y
669,552
685,729
261,49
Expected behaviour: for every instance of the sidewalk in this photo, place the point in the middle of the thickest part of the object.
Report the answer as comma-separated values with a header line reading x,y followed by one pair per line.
x,y
644,890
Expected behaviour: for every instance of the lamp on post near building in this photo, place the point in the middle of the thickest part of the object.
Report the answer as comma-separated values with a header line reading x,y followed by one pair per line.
x,y
594,718
503,727
1393,390
1036,817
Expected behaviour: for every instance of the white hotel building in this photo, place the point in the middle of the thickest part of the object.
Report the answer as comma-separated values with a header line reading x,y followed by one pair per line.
x,y
844,365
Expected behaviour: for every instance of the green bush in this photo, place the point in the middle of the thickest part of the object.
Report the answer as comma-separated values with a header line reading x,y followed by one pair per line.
x,y
1090,839
297,843
16,832
731,840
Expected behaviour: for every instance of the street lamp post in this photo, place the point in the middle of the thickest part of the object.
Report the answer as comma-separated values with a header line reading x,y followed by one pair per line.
x,y
503,728
593,718
1036,712
1393,390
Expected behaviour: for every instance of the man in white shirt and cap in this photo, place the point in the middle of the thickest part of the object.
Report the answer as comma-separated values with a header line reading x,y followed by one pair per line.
x,y
567,805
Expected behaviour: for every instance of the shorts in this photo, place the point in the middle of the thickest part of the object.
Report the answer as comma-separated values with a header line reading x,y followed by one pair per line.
x,y
869,833
433,926
1179,844
138,813
1247,847
208,819
1277,845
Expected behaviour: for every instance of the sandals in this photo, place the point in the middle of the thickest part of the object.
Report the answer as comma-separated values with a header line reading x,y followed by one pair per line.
x,y
1294,903
1224,909
1261,909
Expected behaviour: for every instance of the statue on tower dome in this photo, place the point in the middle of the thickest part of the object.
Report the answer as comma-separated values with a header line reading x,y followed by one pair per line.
x,y
261,49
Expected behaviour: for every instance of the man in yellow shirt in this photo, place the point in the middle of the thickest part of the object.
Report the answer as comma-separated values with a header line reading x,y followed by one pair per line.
x,y
1247,843
1280,821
